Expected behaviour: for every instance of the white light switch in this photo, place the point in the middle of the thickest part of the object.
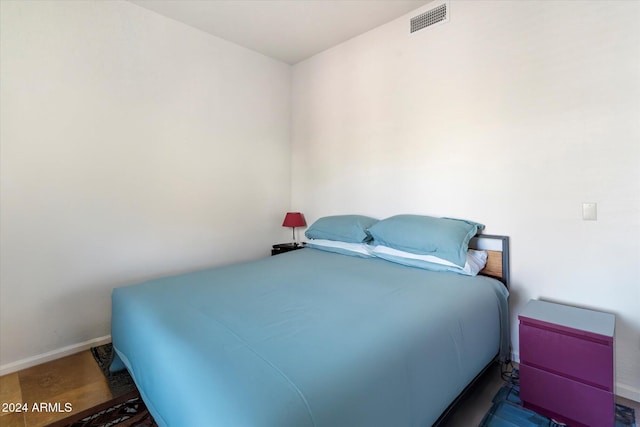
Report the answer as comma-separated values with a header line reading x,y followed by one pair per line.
x,y
590,211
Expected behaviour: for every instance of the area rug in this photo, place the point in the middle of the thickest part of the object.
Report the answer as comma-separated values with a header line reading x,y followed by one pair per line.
x,y
119,382
124,411
507,411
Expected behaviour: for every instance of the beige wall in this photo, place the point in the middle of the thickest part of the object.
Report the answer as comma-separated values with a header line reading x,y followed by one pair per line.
x,y
132,146
511,114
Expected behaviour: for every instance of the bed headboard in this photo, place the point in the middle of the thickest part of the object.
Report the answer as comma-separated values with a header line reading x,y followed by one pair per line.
x,y
497,248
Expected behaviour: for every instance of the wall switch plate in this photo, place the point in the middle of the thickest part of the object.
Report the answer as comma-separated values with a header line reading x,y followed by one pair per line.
x,y
589,211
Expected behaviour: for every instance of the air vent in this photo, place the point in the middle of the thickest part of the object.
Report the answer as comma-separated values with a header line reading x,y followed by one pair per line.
x,y
430,17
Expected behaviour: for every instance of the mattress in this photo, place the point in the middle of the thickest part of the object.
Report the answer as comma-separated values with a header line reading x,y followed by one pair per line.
x,y
307,338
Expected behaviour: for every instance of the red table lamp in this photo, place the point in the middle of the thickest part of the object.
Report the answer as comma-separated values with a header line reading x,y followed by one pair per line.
x,y
293,220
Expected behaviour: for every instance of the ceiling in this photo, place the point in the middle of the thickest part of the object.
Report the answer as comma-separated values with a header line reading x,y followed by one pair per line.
x,y
287,30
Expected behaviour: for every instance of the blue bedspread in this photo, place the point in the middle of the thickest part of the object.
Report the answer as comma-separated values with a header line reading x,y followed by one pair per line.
x,y
307,338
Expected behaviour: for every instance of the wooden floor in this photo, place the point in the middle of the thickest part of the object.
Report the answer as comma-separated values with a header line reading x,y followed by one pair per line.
x,y
77,380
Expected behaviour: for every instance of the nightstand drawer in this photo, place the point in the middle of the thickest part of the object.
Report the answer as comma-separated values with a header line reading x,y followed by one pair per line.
x,y
578,403
575,357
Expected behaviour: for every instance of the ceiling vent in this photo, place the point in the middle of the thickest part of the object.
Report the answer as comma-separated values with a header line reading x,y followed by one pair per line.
x,y
432,16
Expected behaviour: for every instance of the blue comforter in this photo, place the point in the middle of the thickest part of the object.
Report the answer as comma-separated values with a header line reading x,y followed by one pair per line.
x,y
307,338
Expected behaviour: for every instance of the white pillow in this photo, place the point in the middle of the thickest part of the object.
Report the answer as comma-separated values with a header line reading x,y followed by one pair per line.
x,y
475,260
345,248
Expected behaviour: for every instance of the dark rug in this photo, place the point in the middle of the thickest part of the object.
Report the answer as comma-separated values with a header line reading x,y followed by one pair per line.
x,y
507,411
124,411
119,382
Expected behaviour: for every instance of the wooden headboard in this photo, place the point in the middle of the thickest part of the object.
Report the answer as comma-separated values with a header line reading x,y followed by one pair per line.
x,y
497,248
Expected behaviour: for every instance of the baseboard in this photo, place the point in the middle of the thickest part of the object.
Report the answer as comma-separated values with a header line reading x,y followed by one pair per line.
x,y
52,355
627,391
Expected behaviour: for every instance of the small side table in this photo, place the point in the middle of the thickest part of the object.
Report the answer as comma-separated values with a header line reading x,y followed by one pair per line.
x,y
281,248
567,363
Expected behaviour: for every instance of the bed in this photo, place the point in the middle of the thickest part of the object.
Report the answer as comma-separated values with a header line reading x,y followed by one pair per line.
x,y
310,338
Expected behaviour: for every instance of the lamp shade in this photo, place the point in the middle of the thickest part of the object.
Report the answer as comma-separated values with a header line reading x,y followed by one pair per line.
x,y
294,219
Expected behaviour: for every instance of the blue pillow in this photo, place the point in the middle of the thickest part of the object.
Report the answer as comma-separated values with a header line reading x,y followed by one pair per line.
x,y
343,228
446,238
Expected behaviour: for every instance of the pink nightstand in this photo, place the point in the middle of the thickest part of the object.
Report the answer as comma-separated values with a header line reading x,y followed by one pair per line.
x,y
567,363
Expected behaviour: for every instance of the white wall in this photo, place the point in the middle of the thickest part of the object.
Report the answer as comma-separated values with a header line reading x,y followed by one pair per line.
x,y
512,114
132,146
